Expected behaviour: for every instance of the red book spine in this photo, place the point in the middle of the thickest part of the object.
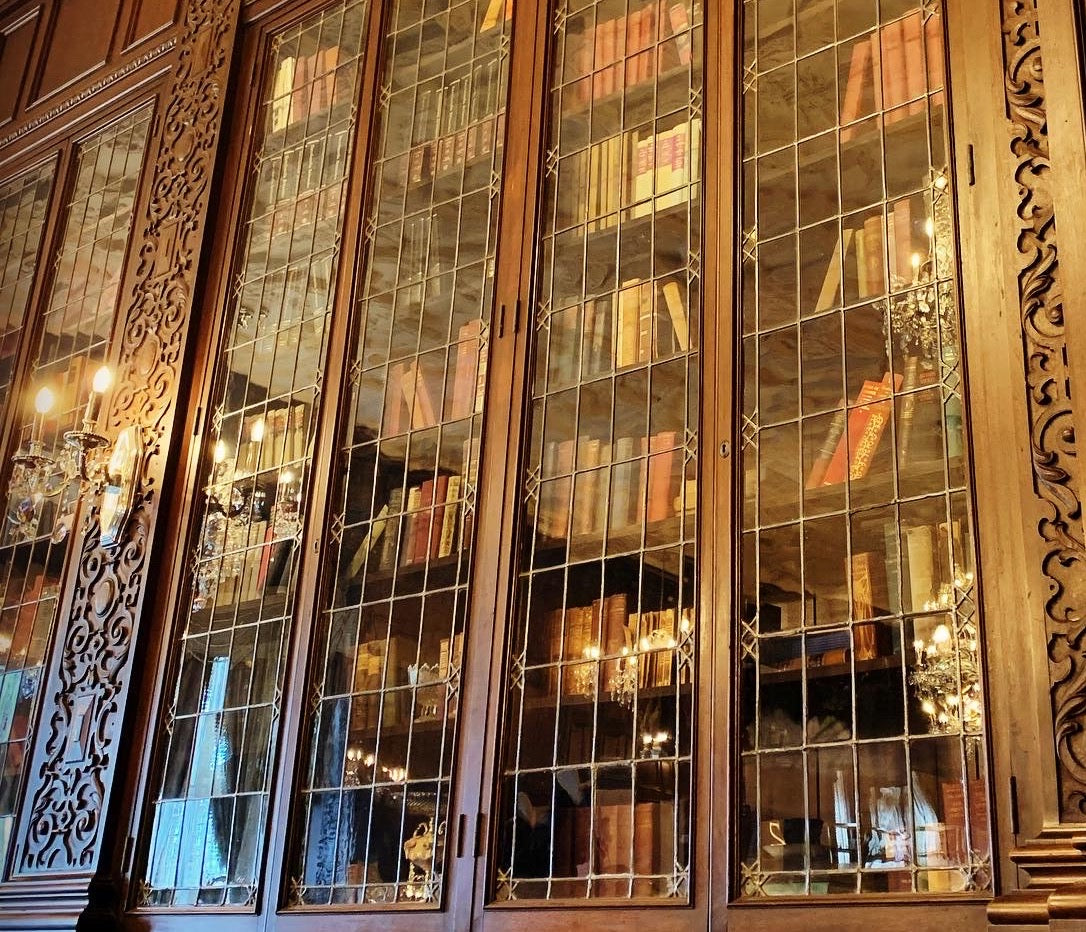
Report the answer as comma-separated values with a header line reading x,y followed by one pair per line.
x,y
661,461
441,491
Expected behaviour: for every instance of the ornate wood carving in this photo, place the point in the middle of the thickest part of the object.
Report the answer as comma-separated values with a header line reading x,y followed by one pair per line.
x,y
1056,475
90,90
68,794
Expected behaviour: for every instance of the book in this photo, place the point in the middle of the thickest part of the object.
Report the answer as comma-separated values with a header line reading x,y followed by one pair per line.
x,y
410,533
677,313
852,100
915,79
869,594
873,271
865,425
390,541
282,86
825,454
920,551
660,467
891,39
437,519
447,540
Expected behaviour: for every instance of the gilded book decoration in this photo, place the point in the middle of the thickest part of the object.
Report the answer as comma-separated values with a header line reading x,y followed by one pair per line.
x,y
862,759
376,785
210,806
596,764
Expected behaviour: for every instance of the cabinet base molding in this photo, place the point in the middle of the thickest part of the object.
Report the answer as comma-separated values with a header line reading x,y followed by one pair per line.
x,y
1056,864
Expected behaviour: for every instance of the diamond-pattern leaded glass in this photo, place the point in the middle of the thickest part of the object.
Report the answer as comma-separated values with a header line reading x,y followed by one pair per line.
x,y
596,761
375,794
210,810
861,724
73,342
24,202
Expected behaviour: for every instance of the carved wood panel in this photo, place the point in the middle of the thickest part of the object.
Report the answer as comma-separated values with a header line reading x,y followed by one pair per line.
x,y
1057,475
69,790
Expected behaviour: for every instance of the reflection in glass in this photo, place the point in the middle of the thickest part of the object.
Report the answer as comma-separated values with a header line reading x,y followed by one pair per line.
x,y
209,814
862,726
73,342
374,801
595,768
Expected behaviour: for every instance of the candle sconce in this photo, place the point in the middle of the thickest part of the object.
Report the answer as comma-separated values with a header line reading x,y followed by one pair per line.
x,y
103,469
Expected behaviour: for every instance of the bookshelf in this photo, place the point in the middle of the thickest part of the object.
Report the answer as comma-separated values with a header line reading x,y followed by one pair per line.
x,y
860,715
595,768
395,600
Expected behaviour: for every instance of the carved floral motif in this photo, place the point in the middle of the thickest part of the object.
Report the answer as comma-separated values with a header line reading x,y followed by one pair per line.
x,y
70,791
1057,479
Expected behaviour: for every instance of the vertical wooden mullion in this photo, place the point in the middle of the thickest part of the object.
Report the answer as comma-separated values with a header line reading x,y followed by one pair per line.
x,y
480,735
718,473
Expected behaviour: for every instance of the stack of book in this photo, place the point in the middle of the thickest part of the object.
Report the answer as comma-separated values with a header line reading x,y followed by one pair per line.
x,y
848,453
657,635
272,439
633,37
304,85
302,182
380,664
645,321
892,61
457,123
633,168
628,838
645,484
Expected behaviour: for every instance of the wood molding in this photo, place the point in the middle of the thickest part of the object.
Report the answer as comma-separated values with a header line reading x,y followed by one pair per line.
x,y
90,91
1056,478
68,801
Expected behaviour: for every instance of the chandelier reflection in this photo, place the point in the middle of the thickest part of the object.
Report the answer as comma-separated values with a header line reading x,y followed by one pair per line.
x,y
946,675
923,319
86,463
240,497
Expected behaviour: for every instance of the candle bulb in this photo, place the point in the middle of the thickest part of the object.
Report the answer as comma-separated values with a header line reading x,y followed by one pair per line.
x,y
99,385
43,404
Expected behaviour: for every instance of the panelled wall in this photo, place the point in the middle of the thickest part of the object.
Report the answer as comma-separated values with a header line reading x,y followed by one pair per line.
x,y
174,200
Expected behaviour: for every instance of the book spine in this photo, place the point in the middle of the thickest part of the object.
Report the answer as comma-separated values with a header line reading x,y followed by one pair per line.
x,y
852,100
449,519
912,43
437,521
414,501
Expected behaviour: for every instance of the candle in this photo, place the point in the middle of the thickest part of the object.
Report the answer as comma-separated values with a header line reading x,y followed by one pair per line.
x,y
99,385
43,404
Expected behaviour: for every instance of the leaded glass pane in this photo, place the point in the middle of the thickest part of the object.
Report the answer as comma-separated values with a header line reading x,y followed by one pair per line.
x,y
73,342
596,761
861,719
389,643
210,809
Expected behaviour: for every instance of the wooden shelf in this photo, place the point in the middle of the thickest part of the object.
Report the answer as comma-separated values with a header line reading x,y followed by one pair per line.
x,y
820,671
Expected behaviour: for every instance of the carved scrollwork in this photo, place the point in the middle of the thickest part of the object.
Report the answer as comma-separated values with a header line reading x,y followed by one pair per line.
x,y
75,757
1056,475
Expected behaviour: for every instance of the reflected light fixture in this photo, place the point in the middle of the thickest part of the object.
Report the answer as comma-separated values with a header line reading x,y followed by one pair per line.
x,y
104,469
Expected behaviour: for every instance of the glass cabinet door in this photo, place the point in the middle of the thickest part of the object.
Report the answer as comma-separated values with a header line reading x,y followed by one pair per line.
x,y
209,809
595,767
373,809
861,725
71,340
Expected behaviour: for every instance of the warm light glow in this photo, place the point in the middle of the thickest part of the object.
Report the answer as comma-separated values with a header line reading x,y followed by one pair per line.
x,y
220,452
929,227
286,477
916,260
940,635
44,400
103,378
256,432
